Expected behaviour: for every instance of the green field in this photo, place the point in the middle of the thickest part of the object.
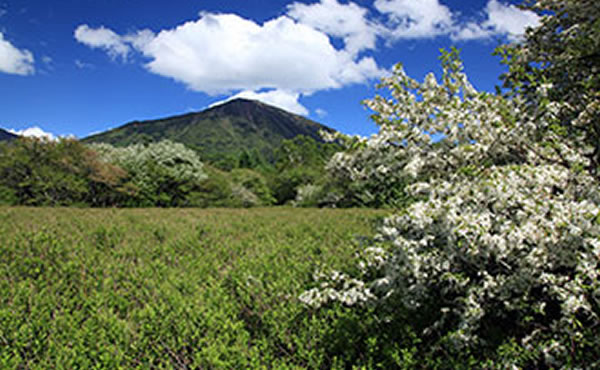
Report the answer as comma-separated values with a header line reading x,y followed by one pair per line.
x,y
164,288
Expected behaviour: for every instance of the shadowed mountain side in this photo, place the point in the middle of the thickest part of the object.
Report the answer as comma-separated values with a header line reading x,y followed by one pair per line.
x,y
5,135
229,128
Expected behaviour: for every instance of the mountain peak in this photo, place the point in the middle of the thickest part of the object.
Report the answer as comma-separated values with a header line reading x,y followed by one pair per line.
x,y
225,129
244,101
245,104
252,110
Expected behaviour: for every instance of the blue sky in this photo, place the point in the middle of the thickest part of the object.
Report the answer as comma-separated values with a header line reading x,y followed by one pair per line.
x,y
74,67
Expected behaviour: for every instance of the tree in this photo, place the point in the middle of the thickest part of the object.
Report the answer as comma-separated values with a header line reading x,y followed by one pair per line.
x,y
557,73
161,174
365,175
250,187
299,162
502,255
64,172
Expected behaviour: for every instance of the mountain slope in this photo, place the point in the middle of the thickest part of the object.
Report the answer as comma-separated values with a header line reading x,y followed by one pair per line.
x,y
5,135
228,128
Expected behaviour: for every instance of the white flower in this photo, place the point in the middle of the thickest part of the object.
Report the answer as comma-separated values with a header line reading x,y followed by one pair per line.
x,y
508,218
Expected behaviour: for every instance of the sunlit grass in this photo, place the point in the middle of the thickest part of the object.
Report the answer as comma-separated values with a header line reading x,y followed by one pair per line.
x,y
166,287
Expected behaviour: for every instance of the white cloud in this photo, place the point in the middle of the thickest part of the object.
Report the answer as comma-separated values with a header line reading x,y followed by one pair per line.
x,y
410,19
285,100
227,54
13,60
139,39
508,19
103,38
83,65
472,31
346,21
293,55
221,53
501,20
34,131
321,112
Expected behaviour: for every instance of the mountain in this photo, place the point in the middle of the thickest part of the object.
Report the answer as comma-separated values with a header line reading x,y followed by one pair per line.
x,y
229,128
5,135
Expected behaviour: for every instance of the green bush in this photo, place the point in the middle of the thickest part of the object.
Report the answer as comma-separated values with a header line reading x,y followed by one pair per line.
x,y
64,172
254,183
214,191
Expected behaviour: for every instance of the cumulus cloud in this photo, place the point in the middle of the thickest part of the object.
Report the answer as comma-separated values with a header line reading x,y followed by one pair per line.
x,y
227,54
286,100
13,60
501,19
293,55
221,53
509,20
34,131
409,19
103,38
345,21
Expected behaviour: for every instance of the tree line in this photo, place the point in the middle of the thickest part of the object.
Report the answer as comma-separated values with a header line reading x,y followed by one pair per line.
x,y
66,172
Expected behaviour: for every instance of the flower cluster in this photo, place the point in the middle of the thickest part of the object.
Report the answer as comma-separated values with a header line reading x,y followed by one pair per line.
x,y
156,169
173,158
508,238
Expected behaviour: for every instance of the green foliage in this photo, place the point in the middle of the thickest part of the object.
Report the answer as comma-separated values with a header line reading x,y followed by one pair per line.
x,y
174,288
8,196
163,174
254,185
65,172
214,191
557,71
285,184
251,159
299,162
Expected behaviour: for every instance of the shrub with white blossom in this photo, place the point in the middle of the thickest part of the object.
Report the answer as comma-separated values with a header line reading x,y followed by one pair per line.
x,y
505,250
161,173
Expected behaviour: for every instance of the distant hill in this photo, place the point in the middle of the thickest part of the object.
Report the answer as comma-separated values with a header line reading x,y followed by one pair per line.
x,y
5,135
228,128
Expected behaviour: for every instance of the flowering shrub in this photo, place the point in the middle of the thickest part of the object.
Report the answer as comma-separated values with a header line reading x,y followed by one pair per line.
x,y
308,195
162,173
506,246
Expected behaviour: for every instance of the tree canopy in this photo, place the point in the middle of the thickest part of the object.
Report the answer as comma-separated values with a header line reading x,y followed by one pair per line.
x,y
498,262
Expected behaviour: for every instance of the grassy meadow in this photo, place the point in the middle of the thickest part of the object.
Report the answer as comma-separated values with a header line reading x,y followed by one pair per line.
x,y
172,288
